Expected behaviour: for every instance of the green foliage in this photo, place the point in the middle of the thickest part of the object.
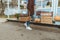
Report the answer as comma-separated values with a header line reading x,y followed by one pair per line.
x,y
21,6
49,3
17,15
59,3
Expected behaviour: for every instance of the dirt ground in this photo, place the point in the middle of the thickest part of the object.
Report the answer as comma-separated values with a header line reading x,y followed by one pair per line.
x,y
17,31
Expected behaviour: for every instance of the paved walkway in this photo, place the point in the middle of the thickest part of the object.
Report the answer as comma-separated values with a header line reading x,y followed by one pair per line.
x,y
17,31
2,20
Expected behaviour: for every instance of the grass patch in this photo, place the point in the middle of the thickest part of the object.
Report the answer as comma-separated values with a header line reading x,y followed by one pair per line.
x,y
5,16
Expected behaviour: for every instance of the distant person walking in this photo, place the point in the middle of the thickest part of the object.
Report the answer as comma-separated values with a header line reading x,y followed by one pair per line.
x,y
30,8
27,23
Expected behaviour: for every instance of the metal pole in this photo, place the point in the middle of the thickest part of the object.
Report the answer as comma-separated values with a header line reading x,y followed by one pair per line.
x,y
56,8
8,6
18,6
52,6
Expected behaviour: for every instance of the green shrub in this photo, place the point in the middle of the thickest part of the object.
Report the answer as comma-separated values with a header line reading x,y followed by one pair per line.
x,y
17,16
21,6
49,3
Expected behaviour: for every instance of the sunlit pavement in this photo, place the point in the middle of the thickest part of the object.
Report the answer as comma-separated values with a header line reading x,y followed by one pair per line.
x,y
17,31
3,20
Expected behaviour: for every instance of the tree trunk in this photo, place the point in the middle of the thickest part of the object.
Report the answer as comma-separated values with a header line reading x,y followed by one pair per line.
x,y
2,12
